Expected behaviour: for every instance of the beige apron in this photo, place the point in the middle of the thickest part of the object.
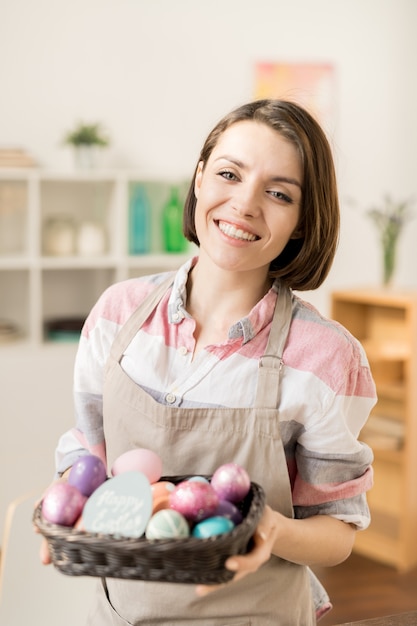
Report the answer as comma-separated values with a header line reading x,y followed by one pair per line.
x,y
197,441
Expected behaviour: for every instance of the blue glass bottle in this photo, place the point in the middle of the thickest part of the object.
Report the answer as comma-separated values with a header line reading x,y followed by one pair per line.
x,y
139,222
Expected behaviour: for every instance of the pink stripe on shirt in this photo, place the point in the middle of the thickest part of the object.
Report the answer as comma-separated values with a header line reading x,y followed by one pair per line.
x,y
307,494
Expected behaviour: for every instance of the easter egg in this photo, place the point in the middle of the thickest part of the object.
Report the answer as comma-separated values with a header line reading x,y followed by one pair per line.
x,y
212,526
167,524
231,482
198,479
160,495
194,500
139,460
229,510
62,504
87,473
162,488
121,506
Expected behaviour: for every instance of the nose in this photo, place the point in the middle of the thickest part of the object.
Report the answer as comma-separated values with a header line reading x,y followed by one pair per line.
x,y
246,200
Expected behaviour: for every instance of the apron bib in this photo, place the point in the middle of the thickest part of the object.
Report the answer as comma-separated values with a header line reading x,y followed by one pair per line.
x,y
197,441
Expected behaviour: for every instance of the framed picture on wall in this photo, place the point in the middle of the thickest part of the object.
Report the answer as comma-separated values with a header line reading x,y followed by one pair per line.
x,y
310,84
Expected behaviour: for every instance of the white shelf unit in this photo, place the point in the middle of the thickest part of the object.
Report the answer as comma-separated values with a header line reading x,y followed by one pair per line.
x,y
36,286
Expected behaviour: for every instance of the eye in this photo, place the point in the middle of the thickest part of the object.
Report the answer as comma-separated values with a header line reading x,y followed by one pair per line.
x,y
279,195
228,175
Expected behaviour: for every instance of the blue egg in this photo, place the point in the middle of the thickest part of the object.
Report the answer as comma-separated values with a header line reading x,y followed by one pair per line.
x,y
212,526
198,479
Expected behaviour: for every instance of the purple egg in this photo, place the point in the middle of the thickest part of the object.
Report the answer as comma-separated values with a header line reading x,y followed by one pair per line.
x,y
63,504
229,511
87,473
194,500
231,482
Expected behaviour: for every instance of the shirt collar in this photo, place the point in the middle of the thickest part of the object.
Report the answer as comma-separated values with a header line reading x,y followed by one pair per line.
x,y
246,328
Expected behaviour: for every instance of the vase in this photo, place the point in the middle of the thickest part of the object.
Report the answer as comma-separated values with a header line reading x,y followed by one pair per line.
x,y
85,157
389,250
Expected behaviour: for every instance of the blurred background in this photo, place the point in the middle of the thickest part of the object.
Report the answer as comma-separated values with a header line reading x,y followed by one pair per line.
x,y
156,75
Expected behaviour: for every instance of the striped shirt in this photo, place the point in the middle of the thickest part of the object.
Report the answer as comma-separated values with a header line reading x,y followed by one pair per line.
x,y
327,390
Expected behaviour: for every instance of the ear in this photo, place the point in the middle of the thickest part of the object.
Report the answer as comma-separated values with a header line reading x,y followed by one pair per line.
x,y
198,178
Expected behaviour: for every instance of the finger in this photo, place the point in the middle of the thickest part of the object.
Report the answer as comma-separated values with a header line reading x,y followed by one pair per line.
x,y
259,554
204,590
44,553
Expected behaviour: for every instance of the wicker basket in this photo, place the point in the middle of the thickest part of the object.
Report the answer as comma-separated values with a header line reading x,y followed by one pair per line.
x,y
185,560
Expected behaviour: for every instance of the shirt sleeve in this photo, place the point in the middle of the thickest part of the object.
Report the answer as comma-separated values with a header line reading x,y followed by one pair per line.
x,y
334,468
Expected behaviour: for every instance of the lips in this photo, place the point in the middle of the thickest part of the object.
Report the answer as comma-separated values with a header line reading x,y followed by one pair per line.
x,y
236,233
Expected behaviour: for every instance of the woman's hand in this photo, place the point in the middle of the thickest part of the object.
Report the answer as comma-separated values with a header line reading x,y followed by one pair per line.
x,y
44,555
242,565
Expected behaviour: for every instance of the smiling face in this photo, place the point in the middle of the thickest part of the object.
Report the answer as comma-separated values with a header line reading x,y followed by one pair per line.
x,y
249,195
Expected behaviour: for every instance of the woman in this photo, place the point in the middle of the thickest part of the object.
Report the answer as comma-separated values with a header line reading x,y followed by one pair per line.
x,y
225,363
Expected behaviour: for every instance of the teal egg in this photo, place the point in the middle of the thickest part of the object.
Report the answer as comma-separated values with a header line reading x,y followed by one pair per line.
x,y
212,526
167,524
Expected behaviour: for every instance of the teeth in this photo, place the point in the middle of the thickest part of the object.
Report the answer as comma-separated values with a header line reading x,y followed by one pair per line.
x,y
236,233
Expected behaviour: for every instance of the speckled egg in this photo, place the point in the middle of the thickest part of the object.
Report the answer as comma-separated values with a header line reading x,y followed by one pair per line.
x,y
167,524
216,525
62,504
194,500
231,482
140,460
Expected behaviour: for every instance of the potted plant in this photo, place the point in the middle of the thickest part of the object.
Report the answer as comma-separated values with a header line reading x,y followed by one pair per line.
x,y
390,219
86,139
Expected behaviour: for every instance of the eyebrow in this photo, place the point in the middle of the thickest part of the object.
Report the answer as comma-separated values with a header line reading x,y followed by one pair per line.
x,y
275,179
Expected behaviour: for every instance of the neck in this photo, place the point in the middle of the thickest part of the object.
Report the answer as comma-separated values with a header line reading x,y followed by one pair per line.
x,y
226,295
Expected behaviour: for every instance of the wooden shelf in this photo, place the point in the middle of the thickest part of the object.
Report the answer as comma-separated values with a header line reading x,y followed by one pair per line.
x,y
386,350
385,322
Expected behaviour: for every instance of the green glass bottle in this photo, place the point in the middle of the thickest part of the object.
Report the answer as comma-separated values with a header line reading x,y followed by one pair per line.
x,y
172,215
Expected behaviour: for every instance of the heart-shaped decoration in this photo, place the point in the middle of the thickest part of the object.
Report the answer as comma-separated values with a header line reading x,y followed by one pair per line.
x,y
122,506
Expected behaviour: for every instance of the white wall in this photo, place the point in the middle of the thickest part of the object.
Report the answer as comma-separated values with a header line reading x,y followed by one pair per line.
x,y
159,74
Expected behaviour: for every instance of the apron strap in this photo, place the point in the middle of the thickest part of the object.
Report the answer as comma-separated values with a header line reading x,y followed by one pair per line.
x,y
271,363
138,317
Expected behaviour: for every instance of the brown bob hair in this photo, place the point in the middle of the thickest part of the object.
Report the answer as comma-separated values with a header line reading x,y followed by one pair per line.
x,y
305,262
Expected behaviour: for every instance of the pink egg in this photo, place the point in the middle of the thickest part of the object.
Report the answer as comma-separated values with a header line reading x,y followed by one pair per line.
x,y
231,482
63,504
140,460
87,473
194,500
